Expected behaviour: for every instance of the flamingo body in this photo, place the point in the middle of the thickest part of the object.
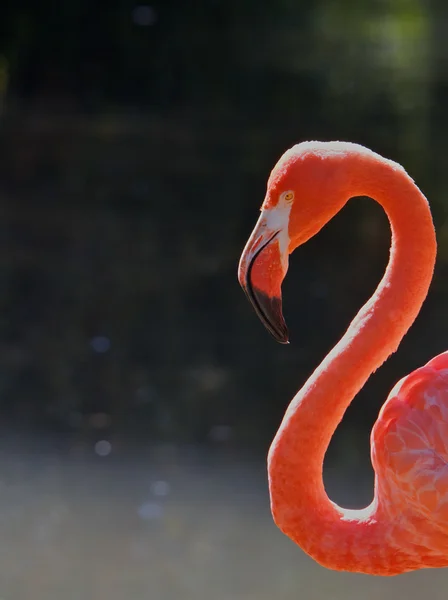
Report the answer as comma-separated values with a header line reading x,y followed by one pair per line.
x,y
410,458
406,525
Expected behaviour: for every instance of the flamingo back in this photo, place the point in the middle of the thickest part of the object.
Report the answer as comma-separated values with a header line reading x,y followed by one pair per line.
x,y
410,458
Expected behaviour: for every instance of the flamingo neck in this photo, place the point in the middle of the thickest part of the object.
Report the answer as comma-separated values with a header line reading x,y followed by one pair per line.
x,y
338,538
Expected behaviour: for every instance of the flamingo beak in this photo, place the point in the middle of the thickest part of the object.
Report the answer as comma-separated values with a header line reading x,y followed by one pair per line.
x,y
260,273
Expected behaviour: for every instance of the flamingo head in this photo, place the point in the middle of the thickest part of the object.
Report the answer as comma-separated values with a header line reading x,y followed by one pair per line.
x,y
305,190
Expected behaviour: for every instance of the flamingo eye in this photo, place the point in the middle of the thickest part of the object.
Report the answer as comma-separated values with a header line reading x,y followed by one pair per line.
x,y
289,196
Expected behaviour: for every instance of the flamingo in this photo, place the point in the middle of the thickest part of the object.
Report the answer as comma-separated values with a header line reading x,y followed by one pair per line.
x,y
406,525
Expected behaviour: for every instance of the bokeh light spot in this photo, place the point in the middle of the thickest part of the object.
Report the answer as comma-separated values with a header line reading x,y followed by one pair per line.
x,y
144,15
103,448
100,344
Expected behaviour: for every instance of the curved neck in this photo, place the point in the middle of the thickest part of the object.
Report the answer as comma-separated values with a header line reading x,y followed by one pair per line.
x,y
334,537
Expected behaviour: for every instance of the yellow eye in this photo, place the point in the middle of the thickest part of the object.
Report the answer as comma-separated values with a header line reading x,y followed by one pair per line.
x,y
289,196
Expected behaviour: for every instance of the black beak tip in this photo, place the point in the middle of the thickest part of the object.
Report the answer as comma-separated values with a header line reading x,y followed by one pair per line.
x,y
280,333
283,340
269,310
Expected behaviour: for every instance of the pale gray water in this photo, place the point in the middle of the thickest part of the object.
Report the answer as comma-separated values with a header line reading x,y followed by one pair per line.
x,y
166,525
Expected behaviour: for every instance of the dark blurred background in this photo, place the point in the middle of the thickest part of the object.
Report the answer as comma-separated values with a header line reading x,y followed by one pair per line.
x,y
138,391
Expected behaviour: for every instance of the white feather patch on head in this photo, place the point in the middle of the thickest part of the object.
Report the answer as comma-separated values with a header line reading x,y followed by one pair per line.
x,y
277,219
